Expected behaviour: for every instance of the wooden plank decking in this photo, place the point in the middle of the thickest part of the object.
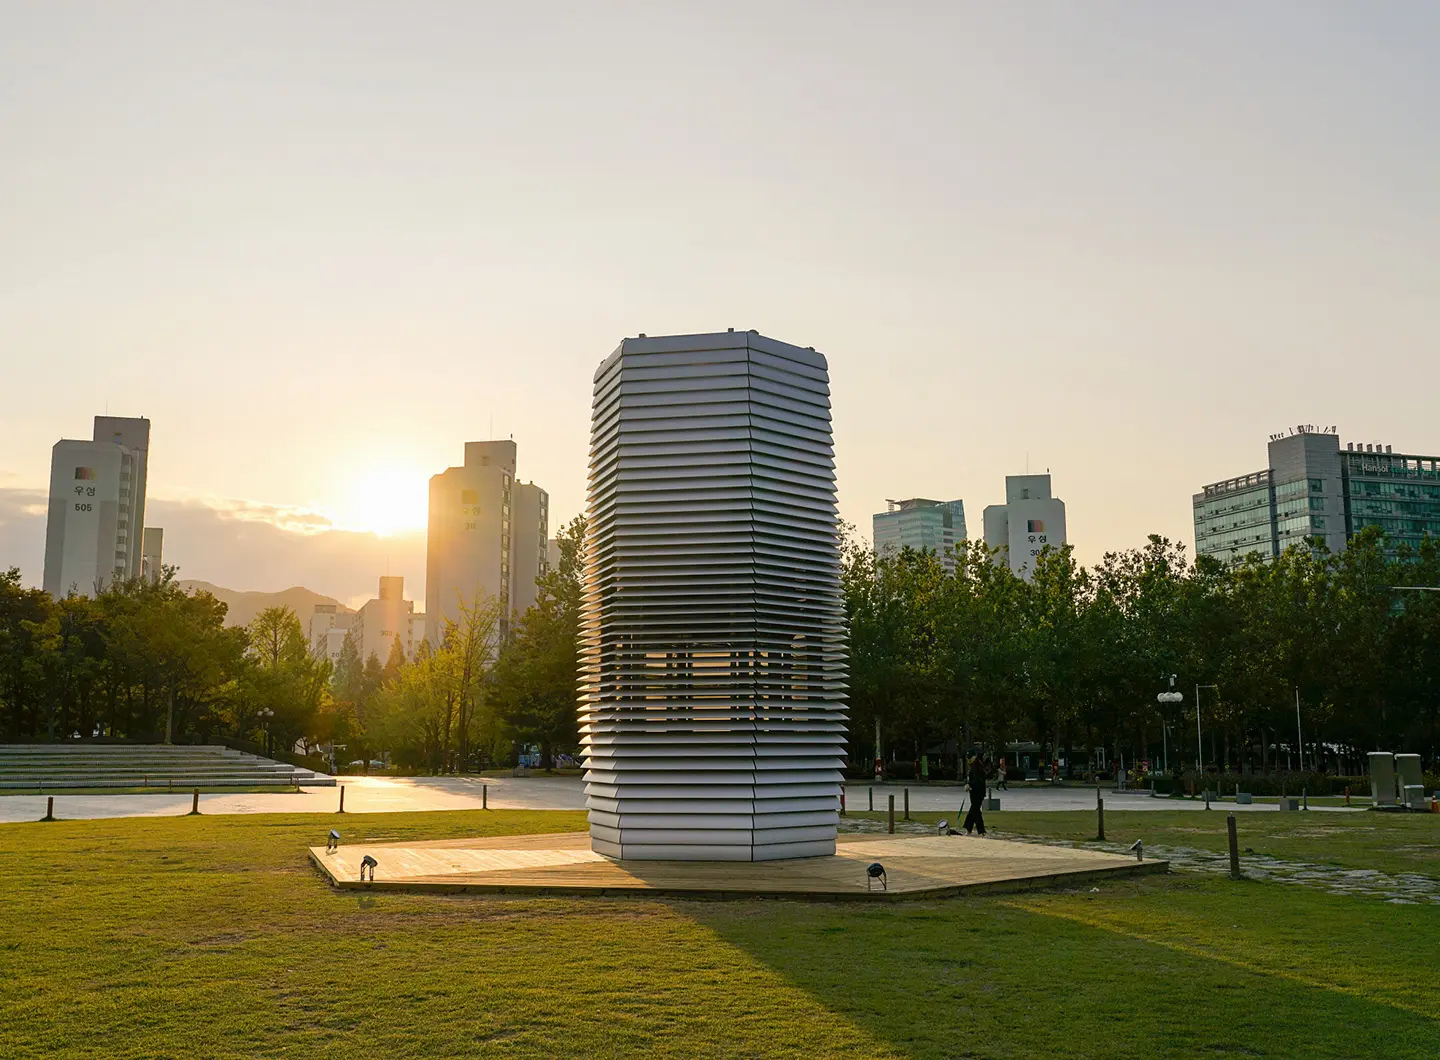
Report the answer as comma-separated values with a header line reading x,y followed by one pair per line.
x,y
917,866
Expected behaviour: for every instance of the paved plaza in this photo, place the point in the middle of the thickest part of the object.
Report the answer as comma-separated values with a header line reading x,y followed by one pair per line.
x,y
396,794
926,866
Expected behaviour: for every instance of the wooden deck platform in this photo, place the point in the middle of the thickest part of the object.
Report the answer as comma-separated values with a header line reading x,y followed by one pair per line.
x,y
917,867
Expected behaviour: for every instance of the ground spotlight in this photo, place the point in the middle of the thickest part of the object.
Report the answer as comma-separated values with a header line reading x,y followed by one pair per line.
x,y
1139,847
874,871
333,843
943,828
367,862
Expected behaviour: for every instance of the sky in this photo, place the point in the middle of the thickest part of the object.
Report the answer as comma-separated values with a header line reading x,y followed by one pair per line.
x,y
322,245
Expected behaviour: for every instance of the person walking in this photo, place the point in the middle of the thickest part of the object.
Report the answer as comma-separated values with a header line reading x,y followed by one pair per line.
x,y
975,819
1001,783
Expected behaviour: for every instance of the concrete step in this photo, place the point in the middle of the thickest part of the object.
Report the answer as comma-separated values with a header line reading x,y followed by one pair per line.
x,y
35,766
178,782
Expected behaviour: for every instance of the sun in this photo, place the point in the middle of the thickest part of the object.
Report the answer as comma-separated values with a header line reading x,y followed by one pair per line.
x,y
386,499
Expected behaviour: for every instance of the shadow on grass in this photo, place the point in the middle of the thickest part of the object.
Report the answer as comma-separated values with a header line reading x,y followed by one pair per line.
x,y
1034,975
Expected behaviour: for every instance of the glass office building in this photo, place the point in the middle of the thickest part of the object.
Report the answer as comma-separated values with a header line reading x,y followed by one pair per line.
x,y
1315,489
1398,493
921,524
1236,517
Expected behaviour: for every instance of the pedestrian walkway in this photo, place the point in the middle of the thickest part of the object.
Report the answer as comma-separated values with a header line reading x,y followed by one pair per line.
x,y
406,794
929,798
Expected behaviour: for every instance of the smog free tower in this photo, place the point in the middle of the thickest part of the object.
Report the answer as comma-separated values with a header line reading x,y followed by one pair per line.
x,y
713,671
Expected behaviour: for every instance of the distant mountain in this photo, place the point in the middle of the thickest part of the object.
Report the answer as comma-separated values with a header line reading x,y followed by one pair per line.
x,y
244,606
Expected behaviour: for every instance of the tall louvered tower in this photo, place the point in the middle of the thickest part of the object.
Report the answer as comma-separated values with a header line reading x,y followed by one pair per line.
x,y
713,651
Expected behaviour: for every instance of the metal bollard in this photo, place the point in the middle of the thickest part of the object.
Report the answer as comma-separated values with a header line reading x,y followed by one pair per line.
x,y
842,800
342,799
1100,814
484,796
891,829
907,804
872,799
49,809
195,802
1304,798
1234,847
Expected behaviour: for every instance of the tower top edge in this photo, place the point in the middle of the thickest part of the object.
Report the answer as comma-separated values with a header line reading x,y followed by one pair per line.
x,y
722,340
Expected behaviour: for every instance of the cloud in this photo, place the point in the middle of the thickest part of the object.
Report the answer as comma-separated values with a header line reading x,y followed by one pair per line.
x,y
240,545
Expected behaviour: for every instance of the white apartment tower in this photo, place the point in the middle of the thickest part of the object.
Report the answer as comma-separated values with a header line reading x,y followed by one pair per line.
x,y
1029,521
329,624
94,530
152,547
529,544
390,617
487,536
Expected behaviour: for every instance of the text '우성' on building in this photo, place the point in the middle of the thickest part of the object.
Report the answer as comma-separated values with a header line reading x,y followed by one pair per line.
x,y
1030,521
95,531
712,712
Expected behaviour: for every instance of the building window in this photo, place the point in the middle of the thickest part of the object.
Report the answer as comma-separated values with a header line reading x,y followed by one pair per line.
x,y
1317,485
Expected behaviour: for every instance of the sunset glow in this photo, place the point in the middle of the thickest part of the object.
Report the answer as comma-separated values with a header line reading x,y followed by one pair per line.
x,y
386,500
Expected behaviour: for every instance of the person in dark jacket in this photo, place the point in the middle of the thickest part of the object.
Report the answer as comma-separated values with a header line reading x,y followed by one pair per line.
x,y
976,782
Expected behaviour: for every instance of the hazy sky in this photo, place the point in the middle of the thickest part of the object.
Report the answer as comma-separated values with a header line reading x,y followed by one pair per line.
x,y
321,245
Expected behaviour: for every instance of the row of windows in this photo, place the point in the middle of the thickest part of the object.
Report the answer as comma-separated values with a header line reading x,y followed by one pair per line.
x,y
1211,542
1254,501
1395,508
1402,526
1205,527
1300,485
1300,527
1392,489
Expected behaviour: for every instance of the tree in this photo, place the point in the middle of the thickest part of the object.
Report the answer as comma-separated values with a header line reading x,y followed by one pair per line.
x,y
535,680
284,677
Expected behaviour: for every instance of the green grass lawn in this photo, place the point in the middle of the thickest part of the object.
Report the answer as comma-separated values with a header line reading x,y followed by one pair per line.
x,y
213,937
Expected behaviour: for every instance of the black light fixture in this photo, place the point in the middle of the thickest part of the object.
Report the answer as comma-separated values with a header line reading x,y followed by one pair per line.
x,y
333,844
1139,847
943,828
367,862
874,871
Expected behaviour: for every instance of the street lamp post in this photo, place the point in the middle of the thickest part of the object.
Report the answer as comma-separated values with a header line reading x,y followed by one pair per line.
x,y
1171,696
267,714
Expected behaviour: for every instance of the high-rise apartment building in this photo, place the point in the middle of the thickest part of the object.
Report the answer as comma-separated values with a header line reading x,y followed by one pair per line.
x,y
924,525
487,536
152,547
329,625
382,621
1313,488
1029,521
529,543
93,532
468,550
